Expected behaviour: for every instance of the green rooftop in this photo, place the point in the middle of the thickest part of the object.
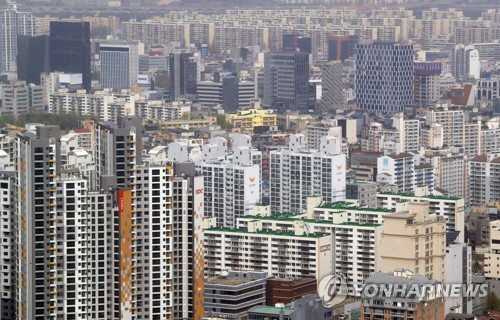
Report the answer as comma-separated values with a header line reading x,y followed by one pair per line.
x,y
412,195
346,206
272,311
268,232
287,218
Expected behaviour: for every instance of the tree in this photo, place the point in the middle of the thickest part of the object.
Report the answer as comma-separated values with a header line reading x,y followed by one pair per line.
x,y
492,301
65,121
221,121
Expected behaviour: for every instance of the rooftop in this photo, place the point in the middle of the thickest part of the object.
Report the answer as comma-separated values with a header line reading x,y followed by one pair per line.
x,y
345,206
412,195
270,310
268,232
291,218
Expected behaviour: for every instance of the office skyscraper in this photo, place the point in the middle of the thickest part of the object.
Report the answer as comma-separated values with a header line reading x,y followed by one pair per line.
x,y
332,93
286,81
70,49
119,65
183,71
12,24
33,58
384,76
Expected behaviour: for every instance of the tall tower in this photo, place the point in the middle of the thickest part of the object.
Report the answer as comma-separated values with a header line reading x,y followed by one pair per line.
x,y
286,80
183,71
118,152
384,76
332,86
70,49
12,23
36,221
119,65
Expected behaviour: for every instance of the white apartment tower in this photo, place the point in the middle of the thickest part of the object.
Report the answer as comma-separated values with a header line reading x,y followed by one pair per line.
x,y
297,173
409,132
231,181
13,23
398,170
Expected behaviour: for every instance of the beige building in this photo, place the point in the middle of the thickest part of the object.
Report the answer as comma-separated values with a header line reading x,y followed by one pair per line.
x,y
414,240
492,259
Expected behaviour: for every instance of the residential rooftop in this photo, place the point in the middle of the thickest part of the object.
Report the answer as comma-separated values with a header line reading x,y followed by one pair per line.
x,y
345,206
412,195
278,217
268,232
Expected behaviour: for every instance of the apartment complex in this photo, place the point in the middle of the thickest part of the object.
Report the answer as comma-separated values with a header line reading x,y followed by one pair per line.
x,y
281,254
356,246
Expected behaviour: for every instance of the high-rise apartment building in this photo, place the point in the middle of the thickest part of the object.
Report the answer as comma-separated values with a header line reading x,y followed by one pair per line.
x,y
286,81
12,24
398,170
119,65
483,180
70,49
355,262
491,269
409,132
427,80
465,62
183,72
7,257
452,209
384,76
313,251
19,98
297,174
232,182
420,239
452,120
118,151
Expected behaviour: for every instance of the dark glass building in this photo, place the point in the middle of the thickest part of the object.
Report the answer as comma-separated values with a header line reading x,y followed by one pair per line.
x,y
286,81
33,58
70,49
338,48
292,43
183,71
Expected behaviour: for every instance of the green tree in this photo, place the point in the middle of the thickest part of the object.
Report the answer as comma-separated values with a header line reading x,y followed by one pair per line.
x,y
65,121
221,121
492,301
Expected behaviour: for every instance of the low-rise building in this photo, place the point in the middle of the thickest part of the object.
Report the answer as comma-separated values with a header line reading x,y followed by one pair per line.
x,y
405,307
231,294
